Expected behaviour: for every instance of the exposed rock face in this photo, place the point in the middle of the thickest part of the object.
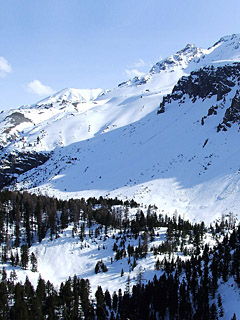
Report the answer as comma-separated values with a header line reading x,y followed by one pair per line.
x,y
137,81
205,83
8,133
18,163
232,114
17,118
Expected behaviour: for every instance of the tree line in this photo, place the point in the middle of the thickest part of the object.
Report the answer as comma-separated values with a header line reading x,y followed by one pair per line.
x,y
185,289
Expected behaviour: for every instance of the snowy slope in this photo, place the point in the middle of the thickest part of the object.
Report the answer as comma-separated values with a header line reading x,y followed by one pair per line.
x,y
66,256
130,102
72,95
115,144
75,257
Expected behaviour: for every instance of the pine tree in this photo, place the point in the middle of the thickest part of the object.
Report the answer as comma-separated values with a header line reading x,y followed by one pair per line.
x,y
24,256
84,294
134,264
108,299
213,312
64,218
122,273
19,311
127,288
101,308
66,297
4,254
183,300
33,260
220,306
38,214
17,227
29,297
145,244
13,275
4,275
157,265
51,302
3,301
41,290
17,259
140,276
114,301
12,258
100,267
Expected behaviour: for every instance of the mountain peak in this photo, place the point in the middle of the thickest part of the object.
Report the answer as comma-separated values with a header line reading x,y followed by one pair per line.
x,y
180,59
72,95
235,37
227,41
188,47
191,57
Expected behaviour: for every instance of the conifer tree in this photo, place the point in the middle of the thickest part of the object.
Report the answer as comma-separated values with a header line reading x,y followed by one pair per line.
x,y
108,299
234,317
220,306
213,312
19,311
24,256
84,294
3,301
114,301
101,308
41,290
33,260
127,288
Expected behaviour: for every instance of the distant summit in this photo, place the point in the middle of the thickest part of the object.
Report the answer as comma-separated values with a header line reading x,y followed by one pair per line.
x,y
180,59
190,58
72,95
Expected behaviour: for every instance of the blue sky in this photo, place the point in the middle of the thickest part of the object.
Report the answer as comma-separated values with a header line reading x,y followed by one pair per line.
x,y
48,45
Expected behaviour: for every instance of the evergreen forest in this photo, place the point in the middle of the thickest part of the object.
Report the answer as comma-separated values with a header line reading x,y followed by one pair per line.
x,y
189,270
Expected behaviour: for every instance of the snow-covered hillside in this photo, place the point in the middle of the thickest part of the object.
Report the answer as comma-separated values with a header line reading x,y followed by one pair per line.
x,y
157,139
118,246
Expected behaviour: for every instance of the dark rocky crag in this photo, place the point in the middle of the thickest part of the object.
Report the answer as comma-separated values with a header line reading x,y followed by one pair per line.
x,y
14,164
232,114
205,83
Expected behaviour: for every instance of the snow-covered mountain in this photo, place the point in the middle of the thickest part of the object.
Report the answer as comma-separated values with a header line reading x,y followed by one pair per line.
x,y
168,138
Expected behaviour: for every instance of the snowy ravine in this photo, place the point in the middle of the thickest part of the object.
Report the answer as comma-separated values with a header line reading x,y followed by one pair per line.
x,y
156,139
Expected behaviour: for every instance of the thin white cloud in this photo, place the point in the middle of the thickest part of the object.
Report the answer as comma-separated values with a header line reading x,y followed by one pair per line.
x,y
134,73
139,64
138,68
5,67
40,89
